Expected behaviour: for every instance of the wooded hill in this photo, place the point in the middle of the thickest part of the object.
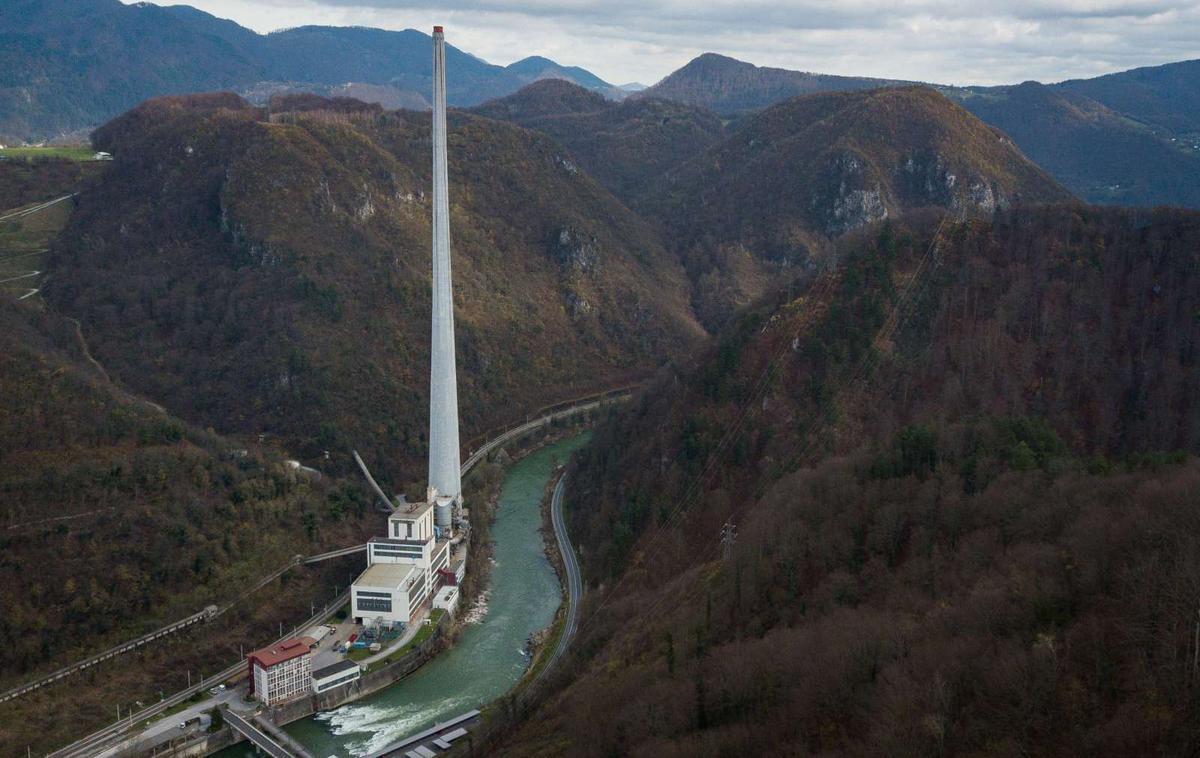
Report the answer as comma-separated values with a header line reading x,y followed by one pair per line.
x,y
119,518
626,146
755,201
271,276
1131,138
962,471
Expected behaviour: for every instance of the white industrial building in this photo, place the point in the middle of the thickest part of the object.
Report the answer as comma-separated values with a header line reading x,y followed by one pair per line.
x,y
335,675
402,568
446,599
282,671
390,592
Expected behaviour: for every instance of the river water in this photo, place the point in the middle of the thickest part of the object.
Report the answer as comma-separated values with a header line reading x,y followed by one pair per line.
x,y
488,658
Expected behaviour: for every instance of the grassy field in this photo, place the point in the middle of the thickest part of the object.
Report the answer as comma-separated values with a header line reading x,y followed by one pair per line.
x,y
77,153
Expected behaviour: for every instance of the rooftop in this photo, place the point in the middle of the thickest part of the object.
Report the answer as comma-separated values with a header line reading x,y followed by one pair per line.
x,y
334,669
282,651
410,511
389,575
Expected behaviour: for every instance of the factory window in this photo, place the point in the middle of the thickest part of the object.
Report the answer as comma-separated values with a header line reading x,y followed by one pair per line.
x,y
340,680
375,604
365,593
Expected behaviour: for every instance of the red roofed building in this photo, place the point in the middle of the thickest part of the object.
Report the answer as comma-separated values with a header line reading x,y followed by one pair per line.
x,y
281,672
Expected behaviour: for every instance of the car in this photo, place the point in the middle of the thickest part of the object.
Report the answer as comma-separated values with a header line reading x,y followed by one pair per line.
x,y
183,725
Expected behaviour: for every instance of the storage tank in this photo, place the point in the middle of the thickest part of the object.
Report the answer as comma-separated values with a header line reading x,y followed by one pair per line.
x,y
442,512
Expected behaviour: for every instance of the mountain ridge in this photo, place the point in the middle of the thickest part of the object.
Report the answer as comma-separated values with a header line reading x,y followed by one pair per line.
x,y
70,66
1139,143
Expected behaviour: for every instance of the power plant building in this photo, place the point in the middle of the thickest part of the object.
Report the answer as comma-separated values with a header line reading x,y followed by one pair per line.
x,y
406,567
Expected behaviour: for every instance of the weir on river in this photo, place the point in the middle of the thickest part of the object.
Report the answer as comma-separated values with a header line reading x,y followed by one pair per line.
x,y
488,658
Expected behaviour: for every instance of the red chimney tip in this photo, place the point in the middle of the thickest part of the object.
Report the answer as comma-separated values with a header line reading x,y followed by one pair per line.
x,y
437,30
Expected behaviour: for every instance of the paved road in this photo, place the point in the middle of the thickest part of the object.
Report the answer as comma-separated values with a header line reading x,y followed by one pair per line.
x,y
495,442
167,728
36,208
574,577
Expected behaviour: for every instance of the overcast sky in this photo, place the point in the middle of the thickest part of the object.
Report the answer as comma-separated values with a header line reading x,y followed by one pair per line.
x,y
942,41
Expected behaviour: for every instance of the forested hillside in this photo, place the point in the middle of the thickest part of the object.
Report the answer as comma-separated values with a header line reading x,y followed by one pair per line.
x,y
271,276
626,146
1130,138
727,85
118,518
1098,153
962,470
770,196
1165,97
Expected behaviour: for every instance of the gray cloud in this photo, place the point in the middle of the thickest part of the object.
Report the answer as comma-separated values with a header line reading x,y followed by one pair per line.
x,y
926,40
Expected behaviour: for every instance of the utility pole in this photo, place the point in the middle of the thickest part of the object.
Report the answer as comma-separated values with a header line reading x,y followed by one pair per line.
x,y
728,535
189,679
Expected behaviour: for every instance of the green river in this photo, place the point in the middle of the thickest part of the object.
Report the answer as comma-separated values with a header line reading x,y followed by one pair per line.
x,y
488,658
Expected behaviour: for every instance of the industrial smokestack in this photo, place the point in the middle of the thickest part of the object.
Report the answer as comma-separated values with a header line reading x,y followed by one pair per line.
x,y
443,383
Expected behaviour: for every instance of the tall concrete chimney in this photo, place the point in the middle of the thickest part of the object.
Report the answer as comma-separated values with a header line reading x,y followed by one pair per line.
x,y
443,383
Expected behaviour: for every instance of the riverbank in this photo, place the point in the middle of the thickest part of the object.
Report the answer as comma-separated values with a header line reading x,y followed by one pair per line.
x,y
486,487
489,657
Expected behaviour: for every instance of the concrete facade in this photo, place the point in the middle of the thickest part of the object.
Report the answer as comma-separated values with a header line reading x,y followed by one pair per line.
x,y
390,592
444,474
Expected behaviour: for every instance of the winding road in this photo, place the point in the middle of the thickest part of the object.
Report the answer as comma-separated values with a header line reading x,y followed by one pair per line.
x,y
571,564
